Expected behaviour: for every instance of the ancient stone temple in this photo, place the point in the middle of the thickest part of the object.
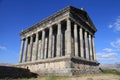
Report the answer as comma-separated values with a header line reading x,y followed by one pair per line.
x,y
62,44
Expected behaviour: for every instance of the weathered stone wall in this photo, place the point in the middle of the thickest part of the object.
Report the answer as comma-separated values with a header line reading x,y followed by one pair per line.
x,y
84,67
65,67
50,68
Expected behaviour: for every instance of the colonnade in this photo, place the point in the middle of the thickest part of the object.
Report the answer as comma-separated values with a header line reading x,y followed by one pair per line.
x,y
65,38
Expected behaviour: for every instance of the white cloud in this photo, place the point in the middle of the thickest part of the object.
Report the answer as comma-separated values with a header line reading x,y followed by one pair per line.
x,y
110,54
106,56
108,50
116,44
115,25
110,26
2,48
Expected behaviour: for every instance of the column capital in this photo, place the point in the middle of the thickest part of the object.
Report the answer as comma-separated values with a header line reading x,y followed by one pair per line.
x,y
86,31
22,38
37,33
89,35
68,18
59,22
75,25
31,39
92,36
26,38
50,29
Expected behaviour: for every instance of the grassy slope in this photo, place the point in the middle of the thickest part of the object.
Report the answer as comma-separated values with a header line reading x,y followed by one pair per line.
x,y
80,77
106,75
111,71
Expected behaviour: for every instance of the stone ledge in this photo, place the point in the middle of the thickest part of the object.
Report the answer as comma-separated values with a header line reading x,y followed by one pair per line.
x,y
85,61
59,13
56,59
63,58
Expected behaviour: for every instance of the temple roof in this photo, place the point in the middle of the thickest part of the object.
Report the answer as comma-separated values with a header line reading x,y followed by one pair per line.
x,y
83,15
80,12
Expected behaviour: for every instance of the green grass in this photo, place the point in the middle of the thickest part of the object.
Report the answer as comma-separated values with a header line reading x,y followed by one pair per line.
x,y
110,71
54,77
88,76
104,72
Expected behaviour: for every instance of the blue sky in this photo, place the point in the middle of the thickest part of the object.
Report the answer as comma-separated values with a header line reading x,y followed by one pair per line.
x,y
17,15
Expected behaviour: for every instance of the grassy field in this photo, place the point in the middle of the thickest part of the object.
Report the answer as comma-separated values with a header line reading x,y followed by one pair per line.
x,y
80,77
105,75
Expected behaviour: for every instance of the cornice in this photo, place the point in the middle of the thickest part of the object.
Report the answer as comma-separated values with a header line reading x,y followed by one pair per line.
x,y
46,20
50,19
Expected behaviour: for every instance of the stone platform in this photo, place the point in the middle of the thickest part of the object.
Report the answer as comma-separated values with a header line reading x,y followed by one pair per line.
x,y
62,66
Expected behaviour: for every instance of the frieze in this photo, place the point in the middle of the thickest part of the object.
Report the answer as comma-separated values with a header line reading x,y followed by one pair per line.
x,y
50,19
83,22
81,25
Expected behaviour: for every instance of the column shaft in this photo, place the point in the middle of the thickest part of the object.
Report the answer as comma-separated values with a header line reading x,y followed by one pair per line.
x,y
53,47
50,43
93,47
36,46
45,48
76,40
21,50
25,51
81,43
31,47
68,39
86,45
59,40
90,47
39,49
43,44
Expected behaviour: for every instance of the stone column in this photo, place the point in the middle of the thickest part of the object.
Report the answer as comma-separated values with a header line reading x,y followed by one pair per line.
x,y
53,47
76,39
45,48
59,40
50,43
21,50
39,46
43,44
86,45
36,46
93,47
25,51
90,47
68,38
31,47
81,43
